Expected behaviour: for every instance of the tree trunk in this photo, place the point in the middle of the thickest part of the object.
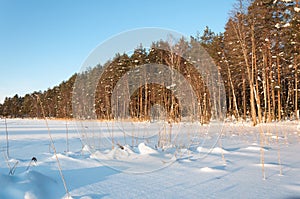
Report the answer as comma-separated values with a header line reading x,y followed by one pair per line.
x,y
244,97
240,33
279,87
255,71
296,88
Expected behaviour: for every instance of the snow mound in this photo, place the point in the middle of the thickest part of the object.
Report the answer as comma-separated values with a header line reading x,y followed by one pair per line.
x,y
210,170
143,149
118,153
218,169
276,137
86,148
85,197
28,185
254,148
68,197
268,165
207,169
29,195
128,149
217,150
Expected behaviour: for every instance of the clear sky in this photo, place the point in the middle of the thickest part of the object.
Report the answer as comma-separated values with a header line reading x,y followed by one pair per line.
x,y
44,42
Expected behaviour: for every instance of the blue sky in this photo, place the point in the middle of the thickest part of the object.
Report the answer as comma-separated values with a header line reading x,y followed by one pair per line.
x,y
43,43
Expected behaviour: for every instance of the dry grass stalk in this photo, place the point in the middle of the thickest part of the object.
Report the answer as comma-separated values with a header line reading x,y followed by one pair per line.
x,y
54,149
278,152
262,151
7,140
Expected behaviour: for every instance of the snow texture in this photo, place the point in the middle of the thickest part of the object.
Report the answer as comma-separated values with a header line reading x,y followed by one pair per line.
x,y
230,169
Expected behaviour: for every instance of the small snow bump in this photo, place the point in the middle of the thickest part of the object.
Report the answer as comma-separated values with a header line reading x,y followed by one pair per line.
x,y
206,169
86,148
86,197
145,149
29,195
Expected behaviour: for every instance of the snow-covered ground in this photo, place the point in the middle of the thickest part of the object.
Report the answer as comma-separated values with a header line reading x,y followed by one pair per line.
x,y
201,165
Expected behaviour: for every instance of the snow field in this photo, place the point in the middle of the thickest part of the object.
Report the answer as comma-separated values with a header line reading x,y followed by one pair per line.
x,y
231,169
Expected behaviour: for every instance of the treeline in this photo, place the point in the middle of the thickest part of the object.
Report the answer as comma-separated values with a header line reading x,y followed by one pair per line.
x,y
55,103
257,57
